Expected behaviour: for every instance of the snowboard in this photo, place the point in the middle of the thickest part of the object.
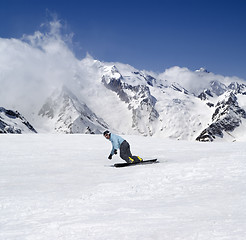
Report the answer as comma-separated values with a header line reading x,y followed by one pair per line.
x,y
137,163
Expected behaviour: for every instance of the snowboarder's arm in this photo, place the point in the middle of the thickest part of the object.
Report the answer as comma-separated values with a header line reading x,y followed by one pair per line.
x,y
113,140
116,141
113,150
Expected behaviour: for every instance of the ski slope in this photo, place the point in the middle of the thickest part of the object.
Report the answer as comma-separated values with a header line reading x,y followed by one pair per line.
x,y
63,187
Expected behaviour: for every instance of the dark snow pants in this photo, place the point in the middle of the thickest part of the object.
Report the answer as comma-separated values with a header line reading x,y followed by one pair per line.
x,y
125,152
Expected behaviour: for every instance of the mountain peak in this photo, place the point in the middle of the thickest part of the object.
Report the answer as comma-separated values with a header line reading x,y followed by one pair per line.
x,y
202,70
71,115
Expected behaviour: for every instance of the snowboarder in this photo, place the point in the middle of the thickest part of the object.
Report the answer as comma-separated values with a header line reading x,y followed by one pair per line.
x,y
119,143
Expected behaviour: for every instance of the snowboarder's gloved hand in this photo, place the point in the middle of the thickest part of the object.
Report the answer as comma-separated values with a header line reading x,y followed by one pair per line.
x,y
115,151
110,156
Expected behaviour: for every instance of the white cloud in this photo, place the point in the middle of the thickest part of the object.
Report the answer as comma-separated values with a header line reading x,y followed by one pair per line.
x,y
194,81
32,67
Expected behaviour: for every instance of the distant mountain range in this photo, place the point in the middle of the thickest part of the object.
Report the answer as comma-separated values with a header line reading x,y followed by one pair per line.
x,y
125,100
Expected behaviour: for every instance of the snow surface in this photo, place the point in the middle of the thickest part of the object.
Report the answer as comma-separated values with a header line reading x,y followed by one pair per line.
x,y
63,187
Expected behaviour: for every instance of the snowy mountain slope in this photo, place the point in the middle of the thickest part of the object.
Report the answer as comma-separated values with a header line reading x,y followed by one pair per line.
x,y
228,113
63,187
69,115
137,97
135,102
172,110
14,122
182,116
139,94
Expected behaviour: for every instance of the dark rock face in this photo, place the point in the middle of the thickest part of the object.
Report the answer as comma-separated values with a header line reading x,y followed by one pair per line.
x,y
13,121
149,79
238,88
226,118
178,88
205,94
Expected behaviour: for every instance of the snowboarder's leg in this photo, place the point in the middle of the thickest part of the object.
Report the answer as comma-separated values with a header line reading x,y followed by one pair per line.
x,y
125,153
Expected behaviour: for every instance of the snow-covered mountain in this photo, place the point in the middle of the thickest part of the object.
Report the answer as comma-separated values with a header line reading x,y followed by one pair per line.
x,y
228,114
99,95
121,98
67,114
137,97
14,122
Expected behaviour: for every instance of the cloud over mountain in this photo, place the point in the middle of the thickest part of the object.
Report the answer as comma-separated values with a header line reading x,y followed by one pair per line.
x,y
32,67
102,94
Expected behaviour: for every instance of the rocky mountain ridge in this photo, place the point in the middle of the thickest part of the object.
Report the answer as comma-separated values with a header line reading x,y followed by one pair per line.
x,y
14,122
227,116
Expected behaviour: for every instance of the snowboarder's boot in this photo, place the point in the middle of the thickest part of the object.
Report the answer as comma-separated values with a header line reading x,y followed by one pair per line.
x,y
131,160
135,159
140,159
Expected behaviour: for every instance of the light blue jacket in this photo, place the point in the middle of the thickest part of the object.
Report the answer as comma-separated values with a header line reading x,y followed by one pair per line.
x,y
116,142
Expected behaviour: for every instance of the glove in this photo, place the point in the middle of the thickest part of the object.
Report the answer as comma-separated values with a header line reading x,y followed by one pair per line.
x,y
110,156
115,151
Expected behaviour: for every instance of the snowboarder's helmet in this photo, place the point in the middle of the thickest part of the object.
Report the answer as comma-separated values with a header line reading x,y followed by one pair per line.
x,y
106,133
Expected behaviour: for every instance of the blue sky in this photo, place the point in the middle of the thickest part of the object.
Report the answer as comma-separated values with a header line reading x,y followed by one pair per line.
x,y
152,35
